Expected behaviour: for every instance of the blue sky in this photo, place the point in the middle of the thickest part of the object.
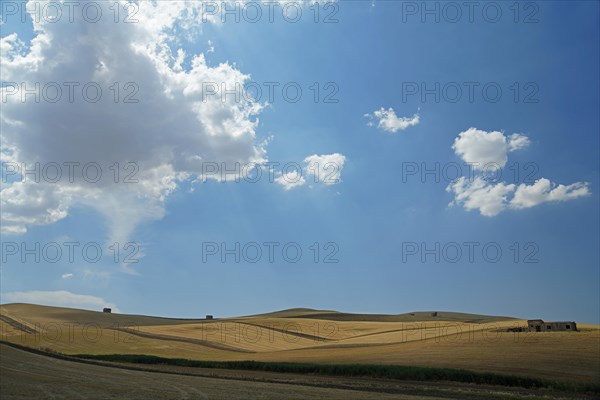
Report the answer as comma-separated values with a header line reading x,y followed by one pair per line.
x,y
371,215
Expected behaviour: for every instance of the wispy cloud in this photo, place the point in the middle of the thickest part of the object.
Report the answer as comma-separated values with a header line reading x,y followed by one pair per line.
x,y
60,298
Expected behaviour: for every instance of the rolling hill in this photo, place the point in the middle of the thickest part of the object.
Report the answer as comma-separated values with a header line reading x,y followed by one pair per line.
x,y
448,340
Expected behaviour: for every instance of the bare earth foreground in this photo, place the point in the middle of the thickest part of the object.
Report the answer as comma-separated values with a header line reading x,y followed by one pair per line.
x,y
25,375
446,340
31,376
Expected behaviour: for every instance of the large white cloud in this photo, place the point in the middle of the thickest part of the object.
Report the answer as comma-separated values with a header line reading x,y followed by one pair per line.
x,y
59,298
168,133
390,122
482,148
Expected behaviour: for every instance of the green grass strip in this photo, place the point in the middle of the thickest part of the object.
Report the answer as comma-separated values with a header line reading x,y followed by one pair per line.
x,y
355,370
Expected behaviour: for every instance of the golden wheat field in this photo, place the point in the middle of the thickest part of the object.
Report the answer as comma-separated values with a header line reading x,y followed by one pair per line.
x,y
449,340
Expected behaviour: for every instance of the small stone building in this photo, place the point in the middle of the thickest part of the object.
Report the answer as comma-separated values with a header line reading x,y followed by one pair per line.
x,y
538,325
106,310
209,317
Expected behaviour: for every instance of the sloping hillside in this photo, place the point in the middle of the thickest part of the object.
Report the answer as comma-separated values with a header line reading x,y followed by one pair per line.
x,y
447,340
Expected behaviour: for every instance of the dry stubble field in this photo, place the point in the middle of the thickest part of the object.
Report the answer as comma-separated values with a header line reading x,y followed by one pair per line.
x,y
448,340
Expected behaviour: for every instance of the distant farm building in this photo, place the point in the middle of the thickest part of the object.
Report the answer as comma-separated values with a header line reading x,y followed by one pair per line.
x,y
434,314
538,325
106,310
209,317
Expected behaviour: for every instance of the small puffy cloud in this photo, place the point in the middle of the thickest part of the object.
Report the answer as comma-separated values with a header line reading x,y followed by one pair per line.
x,y
543,191
291,179
478,194
60,298
390,122
11,43
490,199
479,147
325,169
29,203
67,276
517,141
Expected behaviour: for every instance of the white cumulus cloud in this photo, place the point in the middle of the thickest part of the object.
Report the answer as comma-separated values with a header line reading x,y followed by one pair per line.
x,y
517,141
167,132
543,191
323,169
482,148
490,199
326,168
477,194
291,179
390,122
